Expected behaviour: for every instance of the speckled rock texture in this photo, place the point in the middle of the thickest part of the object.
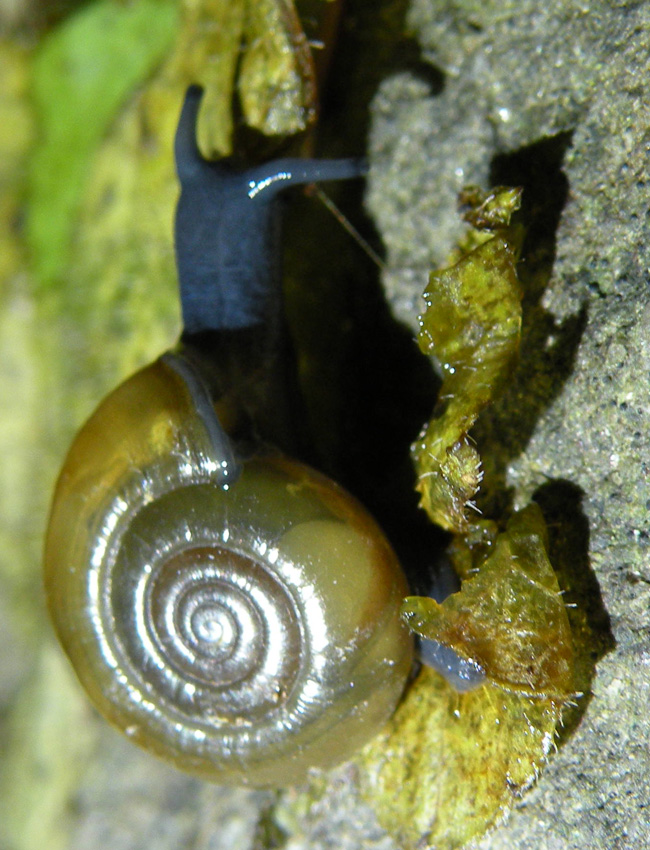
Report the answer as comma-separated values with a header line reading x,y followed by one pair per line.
x,y
514,75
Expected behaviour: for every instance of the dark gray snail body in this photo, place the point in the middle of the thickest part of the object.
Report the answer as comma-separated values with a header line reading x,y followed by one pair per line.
x,y
229,608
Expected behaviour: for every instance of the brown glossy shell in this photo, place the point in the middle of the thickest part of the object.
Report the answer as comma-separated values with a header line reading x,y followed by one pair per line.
x,y
245,633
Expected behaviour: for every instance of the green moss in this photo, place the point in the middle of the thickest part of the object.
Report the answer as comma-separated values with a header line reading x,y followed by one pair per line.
x,y
82,75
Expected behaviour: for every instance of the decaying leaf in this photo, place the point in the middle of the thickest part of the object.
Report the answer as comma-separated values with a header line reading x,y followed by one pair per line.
x,y
471,325
509,618
277,85
451,765
489,211
251,50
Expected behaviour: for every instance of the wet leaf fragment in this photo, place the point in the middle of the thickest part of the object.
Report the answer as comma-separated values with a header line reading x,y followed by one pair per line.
x,y
471,326
450,766
277,84
509,618
251,51
490,211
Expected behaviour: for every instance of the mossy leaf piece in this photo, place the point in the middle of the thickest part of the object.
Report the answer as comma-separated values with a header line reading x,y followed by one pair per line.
x,y
468,551
277,84
450,766
489,211
509,618
251,50
472,326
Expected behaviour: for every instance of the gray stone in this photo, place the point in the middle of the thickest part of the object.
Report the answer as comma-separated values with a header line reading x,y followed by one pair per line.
x,y
517,74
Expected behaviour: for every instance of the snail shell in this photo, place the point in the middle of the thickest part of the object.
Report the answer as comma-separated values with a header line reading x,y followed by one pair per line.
x,y
244,632
229,608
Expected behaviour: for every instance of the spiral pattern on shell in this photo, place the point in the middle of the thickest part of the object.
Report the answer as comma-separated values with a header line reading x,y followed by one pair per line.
x,y
244,632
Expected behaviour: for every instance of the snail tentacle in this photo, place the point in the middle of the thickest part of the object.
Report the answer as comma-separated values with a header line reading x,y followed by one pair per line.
x,y
227,229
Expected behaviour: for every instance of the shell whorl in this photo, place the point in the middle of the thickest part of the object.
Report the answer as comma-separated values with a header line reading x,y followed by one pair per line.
x,y
245,632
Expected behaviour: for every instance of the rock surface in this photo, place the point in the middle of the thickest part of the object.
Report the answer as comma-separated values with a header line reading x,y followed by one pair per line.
x,y
516,74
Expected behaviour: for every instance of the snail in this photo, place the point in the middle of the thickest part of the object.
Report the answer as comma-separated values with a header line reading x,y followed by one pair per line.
x,y
228,607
